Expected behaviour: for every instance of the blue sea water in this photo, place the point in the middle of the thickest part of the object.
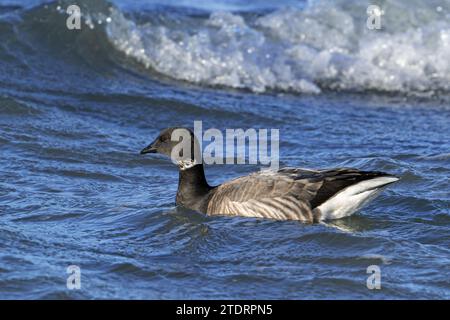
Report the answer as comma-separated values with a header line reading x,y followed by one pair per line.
x,y
77,106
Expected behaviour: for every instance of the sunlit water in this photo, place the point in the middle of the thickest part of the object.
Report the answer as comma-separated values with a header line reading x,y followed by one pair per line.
x,y
77,106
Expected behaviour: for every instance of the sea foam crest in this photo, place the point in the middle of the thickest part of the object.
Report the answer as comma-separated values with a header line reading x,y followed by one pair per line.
x,y
325,45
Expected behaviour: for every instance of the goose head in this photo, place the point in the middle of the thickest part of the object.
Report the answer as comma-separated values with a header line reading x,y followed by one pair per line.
x,y
179,144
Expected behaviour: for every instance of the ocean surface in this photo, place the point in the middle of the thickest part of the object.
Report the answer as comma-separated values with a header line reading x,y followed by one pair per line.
x,y
77,106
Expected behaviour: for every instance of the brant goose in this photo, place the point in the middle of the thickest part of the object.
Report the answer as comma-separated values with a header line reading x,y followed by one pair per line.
x,y
286,194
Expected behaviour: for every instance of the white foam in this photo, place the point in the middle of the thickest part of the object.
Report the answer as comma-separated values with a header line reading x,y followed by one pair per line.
x,y
325,46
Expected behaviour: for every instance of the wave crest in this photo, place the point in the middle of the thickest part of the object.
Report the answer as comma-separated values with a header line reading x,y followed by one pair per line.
x,y
323,46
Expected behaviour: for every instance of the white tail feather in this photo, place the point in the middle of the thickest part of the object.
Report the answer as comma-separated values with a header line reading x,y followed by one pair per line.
x,y
353,198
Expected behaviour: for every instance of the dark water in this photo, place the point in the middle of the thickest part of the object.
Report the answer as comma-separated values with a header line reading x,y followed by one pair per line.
x,y
75,109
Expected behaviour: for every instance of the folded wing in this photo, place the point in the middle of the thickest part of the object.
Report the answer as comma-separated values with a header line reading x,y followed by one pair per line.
x,y
296,194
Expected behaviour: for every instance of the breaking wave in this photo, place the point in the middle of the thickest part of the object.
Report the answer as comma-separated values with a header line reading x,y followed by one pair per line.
x,y
324,45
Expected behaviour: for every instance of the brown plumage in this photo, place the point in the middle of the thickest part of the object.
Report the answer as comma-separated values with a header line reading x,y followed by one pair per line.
x,y
286,194
282,195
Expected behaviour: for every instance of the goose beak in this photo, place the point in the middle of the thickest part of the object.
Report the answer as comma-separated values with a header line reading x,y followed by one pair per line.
x,y
148,149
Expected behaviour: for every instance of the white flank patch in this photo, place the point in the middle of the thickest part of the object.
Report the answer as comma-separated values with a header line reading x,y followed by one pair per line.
x,y
352,198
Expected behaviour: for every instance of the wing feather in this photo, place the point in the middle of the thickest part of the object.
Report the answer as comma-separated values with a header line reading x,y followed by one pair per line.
x,y
289,193
278,195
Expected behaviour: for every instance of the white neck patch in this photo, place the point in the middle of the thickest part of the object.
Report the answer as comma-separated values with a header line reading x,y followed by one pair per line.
x,y
186,164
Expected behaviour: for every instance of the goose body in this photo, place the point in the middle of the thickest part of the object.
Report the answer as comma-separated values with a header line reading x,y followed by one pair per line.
x,y
286,194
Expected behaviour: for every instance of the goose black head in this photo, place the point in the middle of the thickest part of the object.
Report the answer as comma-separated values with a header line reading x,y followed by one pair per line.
x,y
177,143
